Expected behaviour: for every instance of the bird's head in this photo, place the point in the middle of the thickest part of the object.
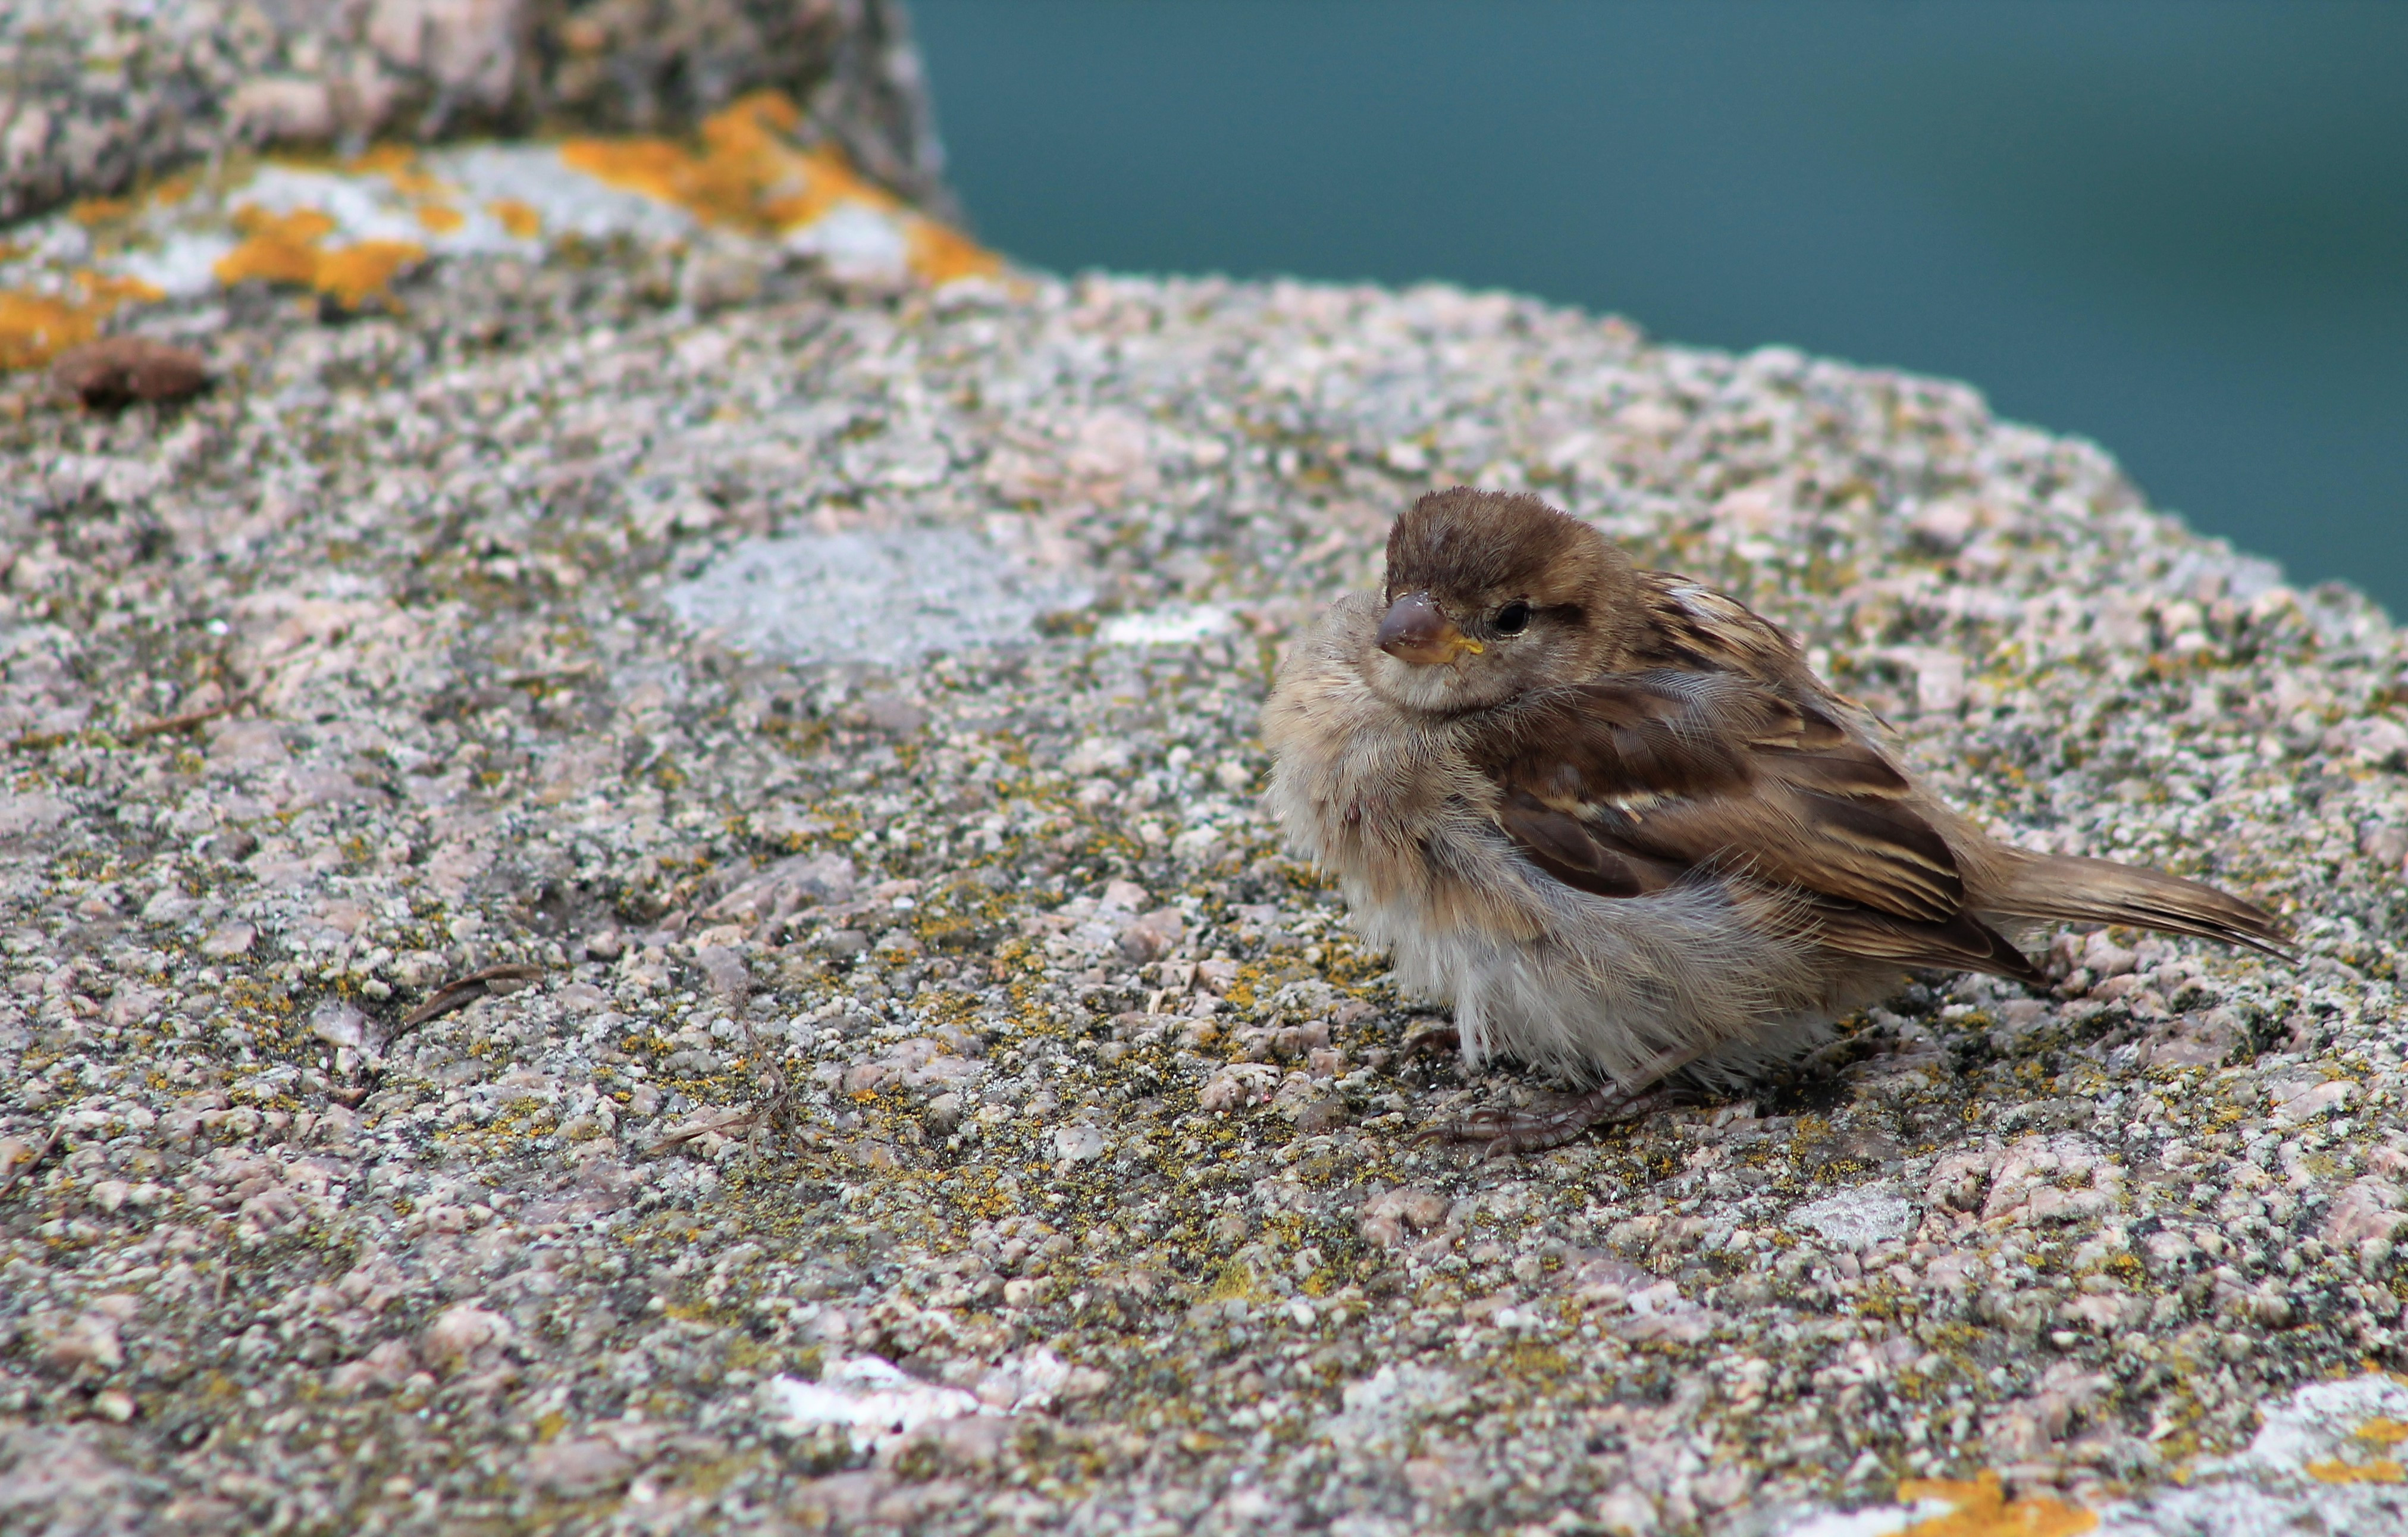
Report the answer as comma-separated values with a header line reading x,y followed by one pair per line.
x,y
1490,595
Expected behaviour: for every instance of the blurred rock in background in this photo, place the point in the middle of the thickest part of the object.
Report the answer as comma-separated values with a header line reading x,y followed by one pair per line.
x,y
96,95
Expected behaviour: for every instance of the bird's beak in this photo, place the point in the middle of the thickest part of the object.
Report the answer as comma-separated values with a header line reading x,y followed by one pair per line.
x,y
1417,630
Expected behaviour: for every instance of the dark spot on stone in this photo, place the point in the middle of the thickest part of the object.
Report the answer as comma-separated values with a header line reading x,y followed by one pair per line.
x,y
116,371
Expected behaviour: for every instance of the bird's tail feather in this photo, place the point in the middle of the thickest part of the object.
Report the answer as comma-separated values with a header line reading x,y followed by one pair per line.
x,y
2071,889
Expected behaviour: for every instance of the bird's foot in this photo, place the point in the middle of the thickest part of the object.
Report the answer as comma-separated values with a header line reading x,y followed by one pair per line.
x,y
1437,1041
1828,1058
1503,1133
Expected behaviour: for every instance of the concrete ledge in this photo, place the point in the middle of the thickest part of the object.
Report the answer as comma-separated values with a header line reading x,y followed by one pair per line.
x,y
530,999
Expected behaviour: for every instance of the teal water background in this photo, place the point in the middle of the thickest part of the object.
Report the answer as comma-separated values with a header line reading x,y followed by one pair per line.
x,y
2179,227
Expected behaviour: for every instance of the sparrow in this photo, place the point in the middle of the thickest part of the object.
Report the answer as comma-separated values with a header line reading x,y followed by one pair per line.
x,y
1612,817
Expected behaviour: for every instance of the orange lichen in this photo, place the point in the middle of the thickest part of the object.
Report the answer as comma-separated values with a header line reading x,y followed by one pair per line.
x,y
940,253
748,174
1984,1510
286,248
2385,1472
439,218
744,163
100,210
278,247
109,291
649,165
828,179
354,274
398,164
37,327
2383,1432
520,219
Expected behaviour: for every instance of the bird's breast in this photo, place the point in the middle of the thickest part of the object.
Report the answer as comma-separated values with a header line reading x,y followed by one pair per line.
x,y
1367,788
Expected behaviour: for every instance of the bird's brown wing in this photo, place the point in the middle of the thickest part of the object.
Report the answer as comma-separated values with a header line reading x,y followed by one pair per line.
x,y
1622,785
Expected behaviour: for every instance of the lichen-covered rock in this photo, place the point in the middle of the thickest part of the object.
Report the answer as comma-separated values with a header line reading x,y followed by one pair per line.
x,y
97,95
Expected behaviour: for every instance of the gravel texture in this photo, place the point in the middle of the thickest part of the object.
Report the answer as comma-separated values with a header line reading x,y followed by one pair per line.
x,y
484,1054
96,95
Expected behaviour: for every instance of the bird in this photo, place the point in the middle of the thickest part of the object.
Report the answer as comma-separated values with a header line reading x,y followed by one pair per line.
x,y
1612,817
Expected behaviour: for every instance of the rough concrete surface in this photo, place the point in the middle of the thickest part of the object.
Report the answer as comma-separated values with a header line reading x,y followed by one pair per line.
x,y
485,1051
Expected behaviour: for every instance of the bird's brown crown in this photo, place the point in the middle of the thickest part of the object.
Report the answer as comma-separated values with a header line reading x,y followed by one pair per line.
x,y
1491,593
1469,547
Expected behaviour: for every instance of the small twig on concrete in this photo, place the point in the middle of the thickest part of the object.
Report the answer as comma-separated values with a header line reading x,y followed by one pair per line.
x,y
35,742
461,991
167,725
724,1123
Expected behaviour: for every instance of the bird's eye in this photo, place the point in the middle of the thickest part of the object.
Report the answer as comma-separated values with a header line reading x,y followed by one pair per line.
x,y
1512,619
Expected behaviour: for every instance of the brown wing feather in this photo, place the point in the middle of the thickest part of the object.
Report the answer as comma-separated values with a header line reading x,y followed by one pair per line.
x,y
1963,943
1618,786
1881,854
1698,628
1572,850
1615,738
1725,772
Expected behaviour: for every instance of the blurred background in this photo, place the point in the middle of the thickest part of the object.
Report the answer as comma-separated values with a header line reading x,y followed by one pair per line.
x,y
2179,227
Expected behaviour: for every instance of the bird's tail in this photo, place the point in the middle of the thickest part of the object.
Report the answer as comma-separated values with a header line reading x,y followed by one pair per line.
x,y
2068,888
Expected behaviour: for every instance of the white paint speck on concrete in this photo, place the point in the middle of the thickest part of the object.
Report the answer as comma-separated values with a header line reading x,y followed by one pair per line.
x,y
1857,1219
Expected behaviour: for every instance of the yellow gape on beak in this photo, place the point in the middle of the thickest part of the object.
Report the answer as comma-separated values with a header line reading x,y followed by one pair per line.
x,y
1417,630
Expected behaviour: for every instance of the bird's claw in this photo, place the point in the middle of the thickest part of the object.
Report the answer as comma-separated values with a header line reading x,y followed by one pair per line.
x,y
1503,1133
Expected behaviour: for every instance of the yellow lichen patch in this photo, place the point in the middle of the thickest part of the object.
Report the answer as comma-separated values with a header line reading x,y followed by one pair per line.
x,y
285,248
649,165
1984,1510
2385,1472
439,218
748,174
106,291
520,219
277,248
2383,1432
100,210
399,164
826,179
940,253
1238,1281
37,327
354,274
